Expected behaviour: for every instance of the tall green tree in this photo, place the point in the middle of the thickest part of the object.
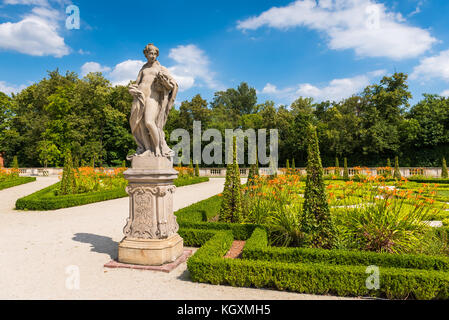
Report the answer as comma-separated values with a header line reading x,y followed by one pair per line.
x,y
240,101
382,111
49,153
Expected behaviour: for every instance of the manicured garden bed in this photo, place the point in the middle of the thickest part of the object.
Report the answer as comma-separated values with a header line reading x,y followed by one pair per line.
x,y
10,177
209,266
341,272
302,270
15,182
47,199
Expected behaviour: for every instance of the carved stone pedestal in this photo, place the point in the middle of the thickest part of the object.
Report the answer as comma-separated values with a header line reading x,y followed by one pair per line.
x,y
151,237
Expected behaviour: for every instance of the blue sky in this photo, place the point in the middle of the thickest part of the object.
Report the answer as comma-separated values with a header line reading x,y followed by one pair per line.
x,y
328,49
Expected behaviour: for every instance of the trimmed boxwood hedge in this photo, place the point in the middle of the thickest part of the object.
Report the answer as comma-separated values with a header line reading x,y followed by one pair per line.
x,y
46,200
196,238
201,211
437,181
16,182
256,249
197,215
209,266
411,179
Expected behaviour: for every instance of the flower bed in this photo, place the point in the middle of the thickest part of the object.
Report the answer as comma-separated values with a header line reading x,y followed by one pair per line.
x,y
46,199
304,270
91,186
10,178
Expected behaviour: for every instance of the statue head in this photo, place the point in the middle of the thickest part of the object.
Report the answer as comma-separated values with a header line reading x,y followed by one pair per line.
x,y
151,52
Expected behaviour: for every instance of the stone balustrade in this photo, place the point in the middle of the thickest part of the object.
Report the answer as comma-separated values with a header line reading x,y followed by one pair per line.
x,y
221,172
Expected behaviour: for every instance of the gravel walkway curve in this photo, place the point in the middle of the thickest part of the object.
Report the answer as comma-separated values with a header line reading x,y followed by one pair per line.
x,y
41,251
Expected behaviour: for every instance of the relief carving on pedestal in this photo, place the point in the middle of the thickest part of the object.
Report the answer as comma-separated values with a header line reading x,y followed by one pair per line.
x,y
151,212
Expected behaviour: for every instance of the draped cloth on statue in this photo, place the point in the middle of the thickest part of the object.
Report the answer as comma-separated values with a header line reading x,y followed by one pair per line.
x,y
168,89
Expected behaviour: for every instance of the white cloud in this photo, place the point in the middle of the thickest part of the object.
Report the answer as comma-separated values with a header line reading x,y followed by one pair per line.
x,y
192,68
417,10
377,73
82,52
445,93
125,71
336,89
27,2
120,74
433,67
362,25
8,89
270,88
36,34
93,67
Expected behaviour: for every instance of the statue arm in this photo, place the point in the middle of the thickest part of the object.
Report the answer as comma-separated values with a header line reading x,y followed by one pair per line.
x,y
166,79
134,88
139,77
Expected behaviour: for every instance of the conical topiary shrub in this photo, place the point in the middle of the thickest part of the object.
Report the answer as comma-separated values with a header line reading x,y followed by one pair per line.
x,y
197,170
15,167
93,160
191,170
287,166
444,173
345,170
337,167
68,183
253,172
315,198
397,173
231,205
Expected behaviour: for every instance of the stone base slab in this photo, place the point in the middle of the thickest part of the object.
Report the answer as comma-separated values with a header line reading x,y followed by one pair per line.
x,y
167,268
152,252
148,162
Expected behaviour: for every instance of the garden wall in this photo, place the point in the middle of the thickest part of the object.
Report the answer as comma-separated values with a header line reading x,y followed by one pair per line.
x,y
221,172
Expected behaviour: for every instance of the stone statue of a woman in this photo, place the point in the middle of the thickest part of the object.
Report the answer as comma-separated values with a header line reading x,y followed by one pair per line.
x,y
154,95
151,237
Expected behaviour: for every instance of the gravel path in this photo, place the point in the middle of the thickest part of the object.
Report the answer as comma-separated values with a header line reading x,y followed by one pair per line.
x,y
41,251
